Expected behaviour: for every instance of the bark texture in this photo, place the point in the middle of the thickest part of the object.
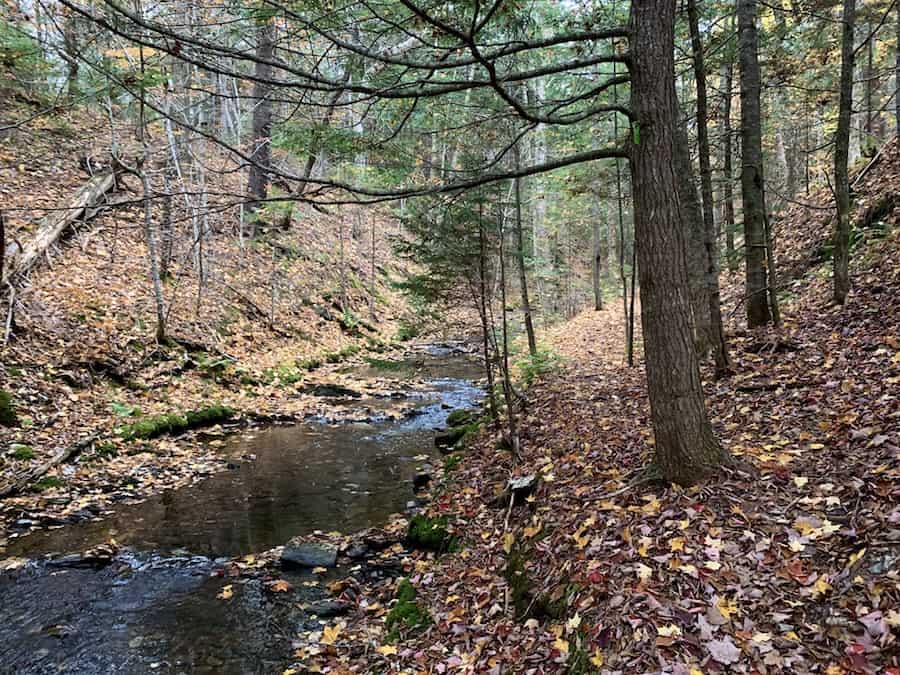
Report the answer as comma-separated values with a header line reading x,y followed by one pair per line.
x,y
710,247
258,183
686,449
752,185
841,152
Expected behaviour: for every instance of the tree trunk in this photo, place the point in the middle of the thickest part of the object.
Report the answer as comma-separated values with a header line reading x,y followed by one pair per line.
x,y
596,262
520,259
695,251
686,449
897,75
716,329
752,186
727,171
841,152
258,182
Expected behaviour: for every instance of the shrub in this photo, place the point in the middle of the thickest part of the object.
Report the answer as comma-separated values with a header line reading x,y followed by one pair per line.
x,y
532,367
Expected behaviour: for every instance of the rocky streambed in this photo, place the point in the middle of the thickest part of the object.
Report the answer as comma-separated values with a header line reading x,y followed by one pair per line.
x,y
195,580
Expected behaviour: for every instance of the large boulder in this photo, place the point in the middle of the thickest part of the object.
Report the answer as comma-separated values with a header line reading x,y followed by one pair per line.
x,y
308,554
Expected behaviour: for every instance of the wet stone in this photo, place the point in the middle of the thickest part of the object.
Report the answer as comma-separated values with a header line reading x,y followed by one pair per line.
x,y
328,608
306,554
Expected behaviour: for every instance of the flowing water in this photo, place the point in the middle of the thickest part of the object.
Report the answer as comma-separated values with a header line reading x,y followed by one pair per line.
x,y
156,610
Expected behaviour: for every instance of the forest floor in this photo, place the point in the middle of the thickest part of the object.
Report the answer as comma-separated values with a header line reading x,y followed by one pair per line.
x,y
788,564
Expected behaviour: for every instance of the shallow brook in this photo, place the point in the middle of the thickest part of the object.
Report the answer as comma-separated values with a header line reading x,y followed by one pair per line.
x,y
155,608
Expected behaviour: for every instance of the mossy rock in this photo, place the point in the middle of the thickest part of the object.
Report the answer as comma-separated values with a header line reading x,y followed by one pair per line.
x,y
406,613
8,416
460,418
157,425
430,534
21,451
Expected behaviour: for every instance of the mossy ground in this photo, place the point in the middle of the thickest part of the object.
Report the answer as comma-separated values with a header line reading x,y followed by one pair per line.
x,y
157,425
430,533
406,613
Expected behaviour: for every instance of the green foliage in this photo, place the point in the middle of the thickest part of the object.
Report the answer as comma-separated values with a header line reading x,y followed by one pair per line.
x,y
532,367
285,374
47,483
8,417
106,449
21,451
452,461
406,613
407,331
158,425
124,409
20,52
430,534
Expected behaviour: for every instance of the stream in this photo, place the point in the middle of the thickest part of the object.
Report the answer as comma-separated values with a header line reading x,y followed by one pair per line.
x,y
156,609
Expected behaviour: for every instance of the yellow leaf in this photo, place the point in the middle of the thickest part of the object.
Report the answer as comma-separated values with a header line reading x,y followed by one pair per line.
x,y
226,593
800,481
508,540
330,635
821,587
281,586
387,650
727,607
533,530
561,645
644,572
574,622
597,658
854,557
670,630
676,544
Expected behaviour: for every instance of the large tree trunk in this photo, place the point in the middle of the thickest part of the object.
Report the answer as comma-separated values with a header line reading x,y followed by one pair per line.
x,y
258,183
686,449
752,186
841,152
711,249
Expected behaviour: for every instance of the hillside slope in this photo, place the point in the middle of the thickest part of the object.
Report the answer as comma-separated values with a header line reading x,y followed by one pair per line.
x,y
271,314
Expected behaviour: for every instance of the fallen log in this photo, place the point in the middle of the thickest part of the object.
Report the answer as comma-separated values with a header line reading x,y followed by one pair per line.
x,y
64,455
56,223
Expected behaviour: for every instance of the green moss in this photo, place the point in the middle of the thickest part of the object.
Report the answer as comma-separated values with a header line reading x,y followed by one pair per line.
x,y
430,533
520,585
106,449
406,613
8,417
459,418
285,374
47,483
22,451
158,425
407,331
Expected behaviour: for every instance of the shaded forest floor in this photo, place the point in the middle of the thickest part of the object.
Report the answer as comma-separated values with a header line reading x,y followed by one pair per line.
x,y
790,565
